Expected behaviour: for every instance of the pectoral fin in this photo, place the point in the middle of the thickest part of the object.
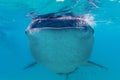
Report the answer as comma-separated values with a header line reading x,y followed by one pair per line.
x,y
90,63
30,65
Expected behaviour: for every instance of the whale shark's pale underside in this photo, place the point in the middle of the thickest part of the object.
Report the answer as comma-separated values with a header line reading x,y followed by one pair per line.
x,y
61,42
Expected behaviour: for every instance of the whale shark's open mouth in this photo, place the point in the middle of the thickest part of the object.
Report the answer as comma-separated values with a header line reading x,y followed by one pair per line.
x,y
53,21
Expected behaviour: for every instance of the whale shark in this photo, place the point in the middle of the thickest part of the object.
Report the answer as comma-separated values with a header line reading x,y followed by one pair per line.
x,y
62,43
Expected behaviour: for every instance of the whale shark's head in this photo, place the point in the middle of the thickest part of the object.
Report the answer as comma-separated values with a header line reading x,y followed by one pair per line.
x,y
68,20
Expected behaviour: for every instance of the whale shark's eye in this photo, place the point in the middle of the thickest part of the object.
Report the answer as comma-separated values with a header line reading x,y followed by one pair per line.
x,y
87,28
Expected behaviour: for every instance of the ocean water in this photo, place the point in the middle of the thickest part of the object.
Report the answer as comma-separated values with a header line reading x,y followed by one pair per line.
x,y
14,48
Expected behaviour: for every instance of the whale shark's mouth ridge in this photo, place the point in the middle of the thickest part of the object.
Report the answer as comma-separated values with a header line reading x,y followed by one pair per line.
x,y
49,21
55,22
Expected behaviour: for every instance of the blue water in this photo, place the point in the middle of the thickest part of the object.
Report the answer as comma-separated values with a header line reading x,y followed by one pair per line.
x,y
15,53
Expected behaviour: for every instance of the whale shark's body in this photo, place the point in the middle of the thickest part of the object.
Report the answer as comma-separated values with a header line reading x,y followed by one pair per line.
x,y
61,43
